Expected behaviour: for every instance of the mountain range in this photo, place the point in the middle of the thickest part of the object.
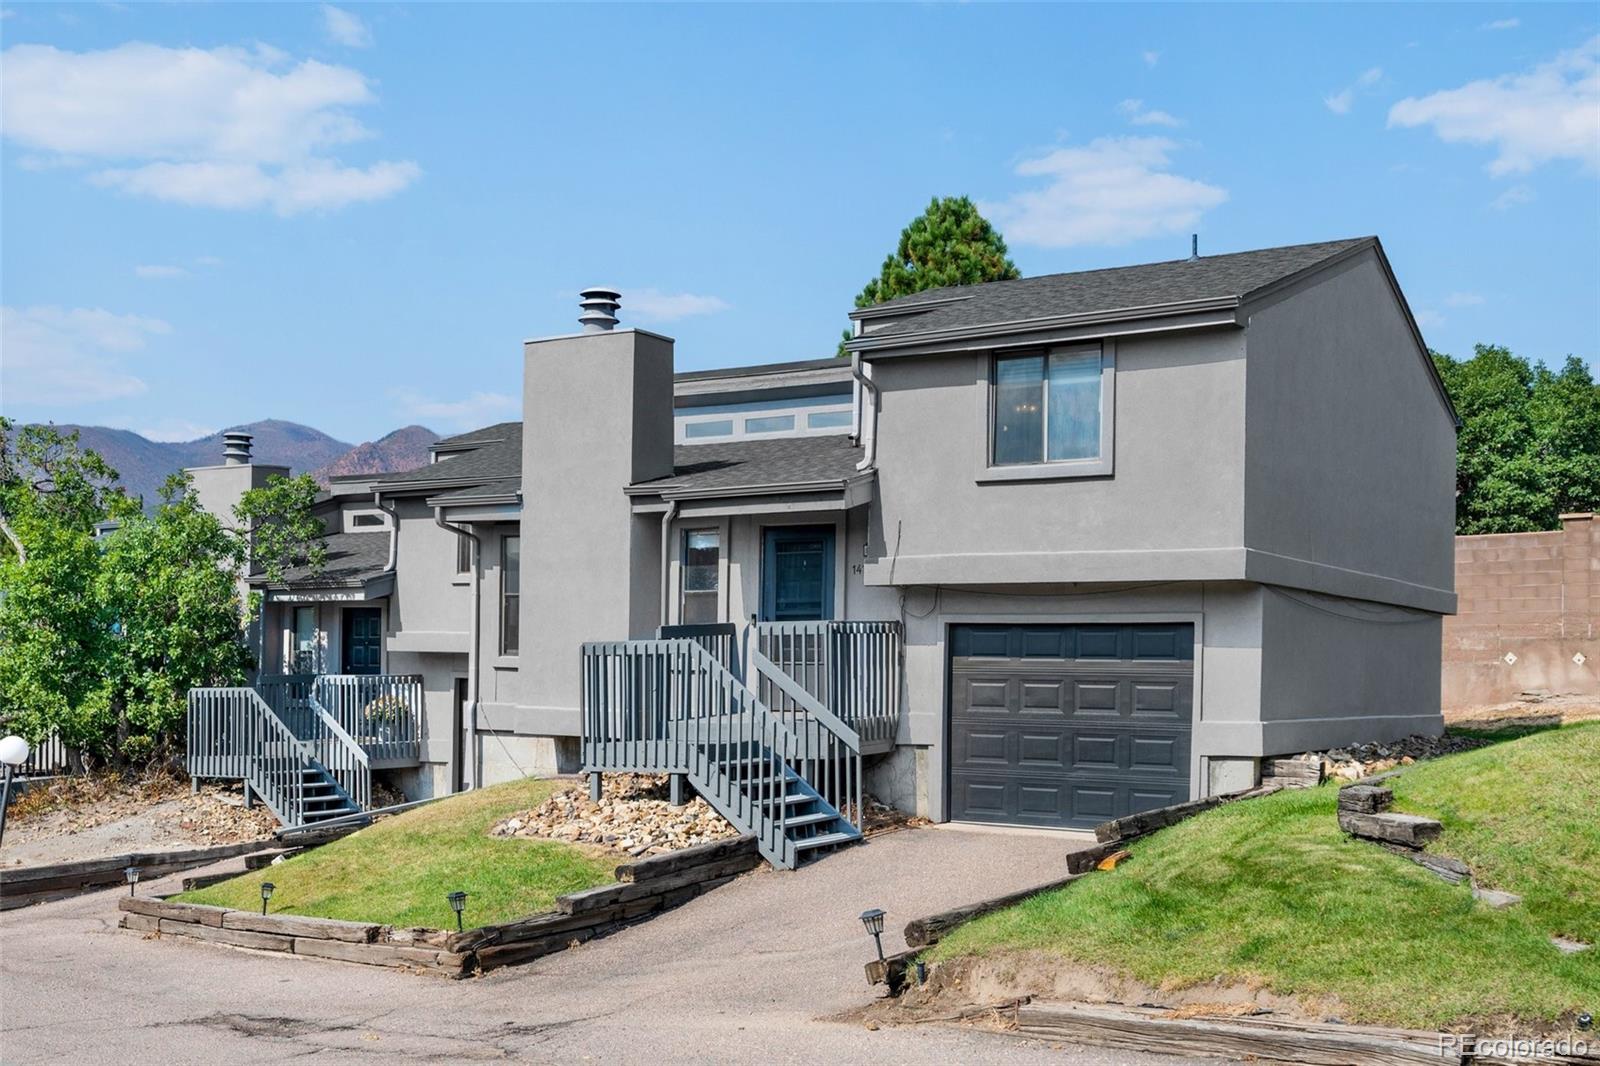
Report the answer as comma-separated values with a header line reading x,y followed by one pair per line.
x,y
144,464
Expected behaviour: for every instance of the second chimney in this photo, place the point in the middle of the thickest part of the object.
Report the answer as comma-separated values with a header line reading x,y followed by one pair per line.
x,y
236,449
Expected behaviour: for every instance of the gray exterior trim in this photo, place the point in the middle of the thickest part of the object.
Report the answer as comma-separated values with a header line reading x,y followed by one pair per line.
x,y
901,344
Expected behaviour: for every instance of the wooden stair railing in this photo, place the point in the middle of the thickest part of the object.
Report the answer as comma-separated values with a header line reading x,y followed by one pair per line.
x,y
670,706
233,732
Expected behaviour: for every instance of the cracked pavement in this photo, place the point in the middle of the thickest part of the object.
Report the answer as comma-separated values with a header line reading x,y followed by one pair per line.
x,y
754,971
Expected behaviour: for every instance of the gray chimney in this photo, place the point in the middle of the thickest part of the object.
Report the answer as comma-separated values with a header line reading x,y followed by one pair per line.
x,y
599,309
236,449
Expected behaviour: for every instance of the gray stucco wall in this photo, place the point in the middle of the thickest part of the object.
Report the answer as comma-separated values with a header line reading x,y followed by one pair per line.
x,y
1350,457
597,416
1338,671
1173,509
432,604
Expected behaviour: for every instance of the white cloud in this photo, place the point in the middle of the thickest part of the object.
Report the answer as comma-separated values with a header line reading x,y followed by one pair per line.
x,y
1501,24
344,27
1341,102
1111,191
1428,317
1551,112
660,306
159,271
166,429
64,356
1151,57
478,409
1517,194
1139,115
1463,299
226,128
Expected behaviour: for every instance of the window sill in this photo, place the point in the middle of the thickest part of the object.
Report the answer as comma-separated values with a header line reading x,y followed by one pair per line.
x,y
505,662
461,579
1045,471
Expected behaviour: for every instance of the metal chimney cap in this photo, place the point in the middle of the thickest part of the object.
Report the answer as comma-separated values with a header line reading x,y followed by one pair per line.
x,y
599,305
236,448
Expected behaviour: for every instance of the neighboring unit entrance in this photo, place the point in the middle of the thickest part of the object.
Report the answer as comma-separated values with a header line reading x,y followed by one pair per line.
x,y
1068,725
363,640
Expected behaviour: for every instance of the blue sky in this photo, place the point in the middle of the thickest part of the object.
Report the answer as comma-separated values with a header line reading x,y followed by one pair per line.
x,y
351,216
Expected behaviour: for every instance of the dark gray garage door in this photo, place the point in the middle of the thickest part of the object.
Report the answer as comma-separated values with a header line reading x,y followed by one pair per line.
x,y
1068,725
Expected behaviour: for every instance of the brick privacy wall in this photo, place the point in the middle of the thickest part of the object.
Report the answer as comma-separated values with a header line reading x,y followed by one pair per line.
x,y
1532,596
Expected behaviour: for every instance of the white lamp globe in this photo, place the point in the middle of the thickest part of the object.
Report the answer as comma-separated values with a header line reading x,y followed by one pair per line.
x,y
13,751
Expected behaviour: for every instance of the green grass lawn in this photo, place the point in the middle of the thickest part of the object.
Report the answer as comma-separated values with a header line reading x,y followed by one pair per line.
x,y
399,870
1270,892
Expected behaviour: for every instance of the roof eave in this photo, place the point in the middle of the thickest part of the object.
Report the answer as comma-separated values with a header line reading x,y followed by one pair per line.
x,y
871,344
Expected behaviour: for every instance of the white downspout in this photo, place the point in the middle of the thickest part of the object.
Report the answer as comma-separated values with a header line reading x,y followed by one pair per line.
x,y
866,427
666,558
470,756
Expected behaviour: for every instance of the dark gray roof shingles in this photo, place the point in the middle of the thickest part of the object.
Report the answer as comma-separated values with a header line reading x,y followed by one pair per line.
x,y
1090,291
491,462
508,486
351,557
487,434
749,463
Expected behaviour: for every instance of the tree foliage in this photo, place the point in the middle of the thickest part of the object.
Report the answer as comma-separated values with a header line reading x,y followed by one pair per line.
x,y
948,244
101,637
1529,446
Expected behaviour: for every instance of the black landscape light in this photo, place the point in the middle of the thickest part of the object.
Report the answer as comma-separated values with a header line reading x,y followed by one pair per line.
x,y
132,874
873,920
266,894
1585,1021
458,903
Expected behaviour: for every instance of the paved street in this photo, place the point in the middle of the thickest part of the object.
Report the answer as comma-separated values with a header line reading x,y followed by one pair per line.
x,y
750,972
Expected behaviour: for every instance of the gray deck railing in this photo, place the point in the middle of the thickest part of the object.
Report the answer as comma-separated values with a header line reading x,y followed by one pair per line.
x,y
382,712
721,639
45,759
236,733
669,706
829,753
851,668
232,732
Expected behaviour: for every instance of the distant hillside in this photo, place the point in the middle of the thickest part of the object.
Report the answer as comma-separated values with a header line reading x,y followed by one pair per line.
x,y
145,464
404,449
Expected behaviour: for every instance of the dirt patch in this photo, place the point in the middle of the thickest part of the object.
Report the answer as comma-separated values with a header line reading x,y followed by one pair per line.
x,y
963,987
1532,710
85,817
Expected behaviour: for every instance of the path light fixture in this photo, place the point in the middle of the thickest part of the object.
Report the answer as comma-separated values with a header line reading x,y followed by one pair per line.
x,y
1585,1021
132,874
873,920
266,894
458,903
13,753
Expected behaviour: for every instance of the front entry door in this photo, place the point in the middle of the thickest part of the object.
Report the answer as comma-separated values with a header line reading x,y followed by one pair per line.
x,y
797,574
363,640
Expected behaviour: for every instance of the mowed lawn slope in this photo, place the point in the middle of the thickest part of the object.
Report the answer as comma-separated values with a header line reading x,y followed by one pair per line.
x,y
1270,892
399,870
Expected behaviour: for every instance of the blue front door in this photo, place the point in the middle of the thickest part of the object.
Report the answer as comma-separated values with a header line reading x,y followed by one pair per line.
x,y
797,574
363,640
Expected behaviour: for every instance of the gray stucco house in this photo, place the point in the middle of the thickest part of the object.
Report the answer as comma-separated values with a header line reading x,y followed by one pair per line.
x,y
1041,552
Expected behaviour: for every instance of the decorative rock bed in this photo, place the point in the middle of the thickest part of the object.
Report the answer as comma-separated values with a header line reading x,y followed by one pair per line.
x,y
1357,761
632,815
643,888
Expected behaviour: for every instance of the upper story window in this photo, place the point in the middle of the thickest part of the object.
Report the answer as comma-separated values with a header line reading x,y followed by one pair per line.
x,y
717,427
1050,413
769,424
510,593
463,554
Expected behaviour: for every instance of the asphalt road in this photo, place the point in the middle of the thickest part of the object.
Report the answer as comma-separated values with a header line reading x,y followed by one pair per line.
x,y
756,971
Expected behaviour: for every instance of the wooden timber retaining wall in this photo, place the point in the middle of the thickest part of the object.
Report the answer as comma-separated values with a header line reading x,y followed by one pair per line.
x,y
22,885
644,887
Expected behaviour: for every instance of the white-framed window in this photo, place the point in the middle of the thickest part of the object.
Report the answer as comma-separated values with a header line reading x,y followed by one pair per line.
x,y
1050,413
463,554
700,576
716,427
306,657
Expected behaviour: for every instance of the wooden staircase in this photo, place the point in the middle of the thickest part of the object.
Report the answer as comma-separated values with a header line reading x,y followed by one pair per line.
x,y
669,705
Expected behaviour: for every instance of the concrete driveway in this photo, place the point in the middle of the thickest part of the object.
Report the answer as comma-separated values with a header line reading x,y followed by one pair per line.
x,y
751,972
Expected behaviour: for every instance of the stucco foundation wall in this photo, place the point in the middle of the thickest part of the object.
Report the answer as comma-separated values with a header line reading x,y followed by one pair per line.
x,y
1338,671
1526,597
1228,659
